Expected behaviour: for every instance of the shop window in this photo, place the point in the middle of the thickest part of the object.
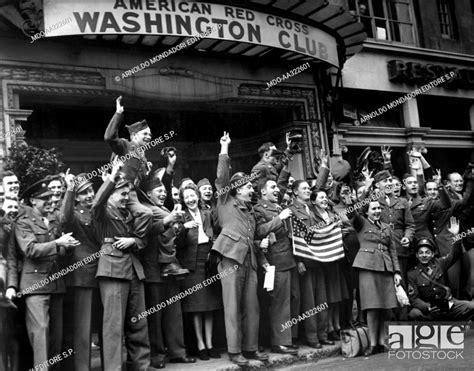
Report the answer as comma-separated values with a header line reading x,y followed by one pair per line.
x,y
444,113
385,20
447,19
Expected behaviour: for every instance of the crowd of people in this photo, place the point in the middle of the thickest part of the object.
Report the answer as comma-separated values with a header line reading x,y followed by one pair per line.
x,y
145,237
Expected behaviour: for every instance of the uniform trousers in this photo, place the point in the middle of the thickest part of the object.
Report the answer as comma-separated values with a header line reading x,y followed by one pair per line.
x,y
315,327
241,309
165,326
459,277
79,311
461,310
280,308
123,301
44,323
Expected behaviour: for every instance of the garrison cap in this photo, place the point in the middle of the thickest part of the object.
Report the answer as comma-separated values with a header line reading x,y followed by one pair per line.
x,y
381,175
203,182
136,127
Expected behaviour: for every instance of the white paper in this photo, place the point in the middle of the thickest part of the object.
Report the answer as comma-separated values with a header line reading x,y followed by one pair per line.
x,y
269,278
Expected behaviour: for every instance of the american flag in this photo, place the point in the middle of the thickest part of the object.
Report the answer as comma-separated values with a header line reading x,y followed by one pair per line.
x,y
321,244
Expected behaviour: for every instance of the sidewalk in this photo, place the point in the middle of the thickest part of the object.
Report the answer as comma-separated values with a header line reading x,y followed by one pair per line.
x,y
305,355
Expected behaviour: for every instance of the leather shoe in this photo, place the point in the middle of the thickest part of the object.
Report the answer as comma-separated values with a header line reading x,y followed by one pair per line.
x,y
283,349
256,355
173,269
333,335
238,359
293,346
326,342
183,360
314,345
203,356
370,350
158,364
213,353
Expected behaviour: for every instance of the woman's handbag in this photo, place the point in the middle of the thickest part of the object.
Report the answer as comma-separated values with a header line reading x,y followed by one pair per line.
x,y
354,340
401,295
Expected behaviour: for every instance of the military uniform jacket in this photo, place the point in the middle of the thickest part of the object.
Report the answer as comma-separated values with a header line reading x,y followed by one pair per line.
x,y
159,235
377,249
236,219
78,220
398,216
187,240
36,241
420,290
109,222
280,253
136,167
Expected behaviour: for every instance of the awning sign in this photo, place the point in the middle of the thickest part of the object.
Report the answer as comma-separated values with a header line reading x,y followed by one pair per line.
x,y
187,18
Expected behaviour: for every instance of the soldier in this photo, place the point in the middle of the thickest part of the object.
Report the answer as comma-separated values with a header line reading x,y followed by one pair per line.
x,y
81,283
429,296
37,234
165,326
236,246
136,168
270,216
205,189
55,185
120,276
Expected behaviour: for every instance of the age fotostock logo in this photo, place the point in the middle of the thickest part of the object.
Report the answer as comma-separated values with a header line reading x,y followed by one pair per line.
x,y
430,340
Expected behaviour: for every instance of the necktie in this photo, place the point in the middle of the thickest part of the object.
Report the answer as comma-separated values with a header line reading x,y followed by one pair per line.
x,y
307,209
388,200
46,222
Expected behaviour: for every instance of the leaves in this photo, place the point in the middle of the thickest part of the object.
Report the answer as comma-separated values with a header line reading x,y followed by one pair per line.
x,y
30,163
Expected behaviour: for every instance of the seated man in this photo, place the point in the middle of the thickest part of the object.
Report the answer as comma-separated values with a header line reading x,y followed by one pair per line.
x,y
429,296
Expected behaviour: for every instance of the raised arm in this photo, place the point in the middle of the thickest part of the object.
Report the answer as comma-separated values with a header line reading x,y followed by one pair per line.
x,y
167,180
223,170
67,216
111,136
99,205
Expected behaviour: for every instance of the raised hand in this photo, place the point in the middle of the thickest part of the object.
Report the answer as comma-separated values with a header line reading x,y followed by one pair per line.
x,y
324,158
172,158
69,179
119,108
386,153
287,139
437,177
225,139
453,226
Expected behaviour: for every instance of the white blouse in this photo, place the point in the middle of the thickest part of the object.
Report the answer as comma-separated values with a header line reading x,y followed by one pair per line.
x,y
202,237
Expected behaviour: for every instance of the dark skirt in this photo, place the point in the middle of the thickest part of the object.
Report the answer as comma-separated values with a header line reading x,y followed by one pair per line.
x,y
377,290
208,298
336,288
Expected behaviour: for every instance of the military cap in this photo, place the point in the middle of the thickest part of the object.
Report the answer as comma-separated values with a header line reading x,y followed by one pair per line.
x,y
425,242
81,183
381,175
238,180
121,183
38,189
151,183
203,182
137,126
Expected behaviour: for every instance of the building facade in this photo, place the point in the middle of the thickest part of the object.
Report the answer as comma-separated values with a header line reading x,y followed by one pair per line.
x,y
61,89
410,44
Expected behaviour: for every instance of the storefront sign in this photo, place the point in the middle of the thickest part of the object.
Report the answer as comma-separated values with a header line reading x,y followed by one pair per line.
x,y
185,18
417,73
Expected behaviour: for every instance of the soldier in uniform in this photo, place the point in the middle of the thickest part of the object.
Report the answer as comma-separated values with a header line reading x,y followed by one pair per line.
x,y
136,168
165,326
37,234
120,276
270,216
235,244
429,296
81,283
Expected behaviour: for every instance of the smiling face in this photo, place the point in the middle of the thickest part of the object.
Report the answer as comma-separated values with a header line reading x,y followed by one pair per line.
x,y
119,197
11,186
270,191
190,199
142,137
411,185
11,208
206,192
456,182
86,197
158,195
302,193
385,185
432,190
175,195
374,211
245,192
321,200
424,255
